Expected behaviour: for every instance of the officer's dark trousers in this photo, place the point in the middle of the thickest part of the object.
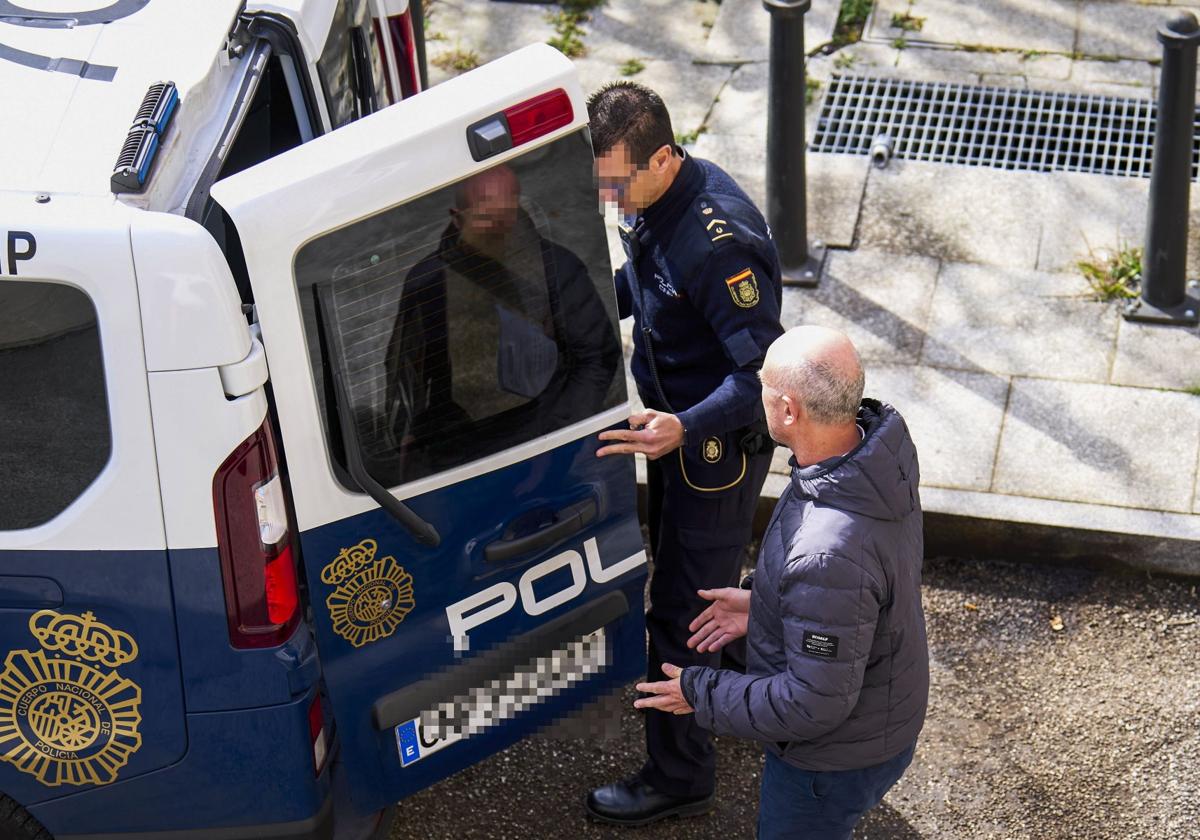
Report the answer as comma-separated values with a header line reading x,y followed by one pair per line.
x,y
697,540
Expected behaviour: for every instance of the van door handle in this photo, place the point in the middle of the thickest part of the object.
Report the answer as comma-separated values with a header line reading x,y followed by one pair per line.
x,y
20,592
570,520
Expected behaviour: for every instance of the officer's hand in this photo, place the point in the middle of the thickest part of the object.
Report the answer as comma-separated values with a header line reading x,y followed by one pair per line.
x,y
652,433
668,696
724,620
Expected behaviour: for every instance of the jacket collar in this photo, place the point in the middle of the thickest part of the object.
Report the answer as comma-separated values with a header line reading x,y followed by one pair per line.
x,y
688,183
878,478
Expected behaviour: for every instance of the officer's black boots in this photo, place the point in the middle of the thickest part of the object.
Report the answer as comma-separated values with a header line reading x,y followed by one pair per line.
x,y
633,802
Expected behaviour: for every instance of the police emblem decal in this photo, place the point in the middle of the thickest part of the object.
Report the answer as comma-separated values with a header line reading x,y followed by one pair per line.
x,y
371,597
712,450
743,288
69,718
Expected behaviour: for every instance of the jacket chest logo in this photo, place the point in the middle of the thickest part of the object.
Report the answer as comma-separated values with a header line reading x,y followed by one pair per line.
x,y
743,288
664,286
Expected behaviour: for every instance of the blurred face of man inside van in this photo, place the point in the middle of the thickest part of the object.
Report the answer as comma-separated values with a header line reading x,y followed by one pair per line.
x,y
486,211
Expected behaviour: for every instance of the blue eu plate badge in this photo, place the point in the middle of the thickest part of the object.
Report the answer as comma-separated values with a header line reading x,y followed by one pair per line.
x,y
410,745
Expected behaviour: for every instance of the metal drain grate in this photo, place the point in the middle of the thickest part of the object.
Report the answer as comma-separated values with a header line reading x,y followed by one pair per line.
x,y
1007,128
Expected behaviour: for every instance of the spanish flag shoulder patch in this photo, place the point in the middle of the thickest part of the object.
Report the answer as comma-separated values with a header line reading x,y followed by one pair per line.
x,y
743,288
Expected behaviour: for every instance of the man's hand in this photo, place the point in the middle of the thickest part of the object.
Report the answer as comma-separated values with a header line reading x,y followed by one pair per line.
x,y
724,620
668,696
652,433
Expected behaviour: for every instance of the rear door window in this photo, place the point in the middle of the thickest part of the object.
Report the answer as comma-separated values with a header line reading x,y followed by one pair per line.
x,y
54,424
473,319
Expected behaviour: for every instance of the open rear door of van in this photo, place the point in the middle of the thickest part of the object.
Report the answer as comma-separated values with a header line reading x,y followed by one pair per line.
x,y
435,297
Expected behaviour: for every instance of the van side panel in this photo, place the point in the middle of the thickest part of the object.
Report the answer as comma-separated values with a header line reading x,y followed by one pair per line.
x,y
90,686
91,676
242,769
217,677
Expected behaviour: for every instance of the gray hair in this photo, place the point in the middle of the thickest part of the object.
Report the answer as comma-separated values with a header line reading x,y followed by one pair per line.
x,y
827,394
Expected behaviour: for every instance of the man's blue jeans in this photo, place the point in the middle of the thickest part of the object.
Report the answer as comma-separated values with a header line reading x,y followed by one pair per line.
x,y
821,805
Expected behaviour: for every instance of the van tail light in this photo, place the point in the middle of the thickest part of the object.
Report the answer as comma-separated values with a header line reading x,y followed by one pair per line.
x,y
539,116
254,543
404,42
316,732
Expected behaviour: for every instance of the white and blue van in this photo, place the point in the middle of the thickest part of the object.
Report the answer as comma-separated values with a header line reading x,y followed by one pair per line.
x,y
301,375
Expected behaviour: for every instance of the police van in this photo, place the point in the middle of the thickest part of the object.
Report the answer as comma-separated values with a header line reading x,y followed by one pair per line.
x,y
301,375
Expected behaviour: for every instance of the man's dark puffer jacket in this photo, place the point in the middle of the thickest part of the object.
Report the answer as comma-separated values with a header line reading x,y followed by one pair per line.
x,y
838,663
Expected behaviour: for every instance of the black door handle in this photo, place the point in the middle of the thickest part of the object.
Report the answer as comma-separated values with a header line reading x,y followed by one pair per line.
x,y
570,520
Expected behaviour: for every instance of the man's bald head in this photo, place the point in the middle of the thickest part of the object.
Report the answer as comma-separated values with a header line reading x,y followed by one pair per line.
x,y
819,368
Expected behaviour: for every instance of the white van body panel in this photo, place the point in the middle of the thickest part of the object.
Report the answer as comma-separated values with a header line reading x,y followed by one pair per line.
x,y
403,151
84,243
71,128
191,314
196,428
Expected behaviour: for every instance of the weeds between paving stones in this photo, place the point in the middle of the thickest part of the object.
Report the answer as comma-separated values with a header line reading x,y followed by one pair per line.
x,y
1113,275
428,13
457,59
852,17
907,22
632,67
568,24
811,87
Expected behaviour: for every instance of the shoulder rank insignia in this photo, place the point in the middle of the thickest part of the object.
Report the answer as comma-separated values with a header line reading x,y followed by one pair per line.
x,y
716,228
743,288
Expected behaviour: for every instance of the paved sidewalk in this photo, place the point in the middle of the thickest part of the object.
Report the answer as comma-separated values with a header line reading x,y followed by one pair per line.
x,y
1030,403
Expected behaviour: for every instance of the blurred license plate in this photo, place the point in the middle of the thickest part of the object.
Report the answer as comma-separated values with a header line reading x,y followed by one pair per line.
x,y
502,699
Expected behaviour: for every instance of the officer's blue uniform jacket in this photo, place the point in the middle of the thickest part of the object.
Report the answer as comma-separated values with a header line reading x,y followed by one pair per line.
x,y
703,282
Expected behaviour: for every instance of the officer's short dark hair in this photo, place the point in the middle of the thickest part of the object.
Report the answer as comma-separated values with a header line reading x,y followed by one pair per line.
x,y
630,113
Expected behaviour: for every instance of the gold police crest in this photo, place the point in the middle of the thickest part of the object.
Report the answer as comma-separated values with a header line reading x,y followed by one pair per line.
x,y
371,597
69,718
743,288
712,450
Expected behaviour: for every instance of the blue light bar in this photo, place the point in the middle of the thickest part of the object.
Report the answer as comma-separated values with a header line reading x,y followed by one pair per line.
x,y
144,138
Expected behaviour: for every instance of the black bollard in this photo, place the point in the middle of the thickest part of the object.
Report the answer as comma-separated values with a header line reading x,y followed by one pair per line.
x,y
787,211
1164,297
416,8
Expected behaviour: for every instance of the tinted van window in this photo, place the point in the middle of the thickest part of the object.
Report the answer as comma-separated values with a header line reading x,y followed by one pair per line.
x,y
468,321
53,410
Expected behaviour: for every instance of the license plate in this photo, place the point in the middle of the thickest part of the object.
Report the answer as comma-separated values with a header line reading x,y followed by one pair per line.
x,y
501,699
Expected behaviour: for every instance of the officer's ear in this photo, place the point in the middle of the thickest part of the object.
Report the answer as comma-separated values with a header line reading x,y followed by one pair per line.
x,y
660,159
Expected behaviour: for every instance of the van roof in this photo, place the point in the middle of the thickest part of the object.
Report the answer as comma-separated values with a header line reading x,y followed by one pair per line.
x,y
72,83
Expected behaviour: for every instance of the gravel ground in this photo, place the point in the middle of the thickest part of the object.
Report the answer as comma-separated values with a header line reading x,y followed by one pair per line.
x,y
1065,703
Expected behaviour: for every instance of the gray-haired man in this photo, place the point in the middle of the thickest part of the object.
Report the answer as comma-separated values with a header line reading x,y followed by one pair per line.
x,y
838,665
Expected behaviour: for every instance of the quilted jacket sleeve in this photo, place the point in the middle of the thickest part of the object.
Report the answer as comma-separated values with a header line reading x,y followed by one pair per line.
x,y
829,606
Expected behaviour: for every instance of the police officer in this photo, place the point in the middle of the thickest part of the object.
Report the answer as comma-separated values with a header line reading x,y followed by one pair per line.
x,y
702,282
